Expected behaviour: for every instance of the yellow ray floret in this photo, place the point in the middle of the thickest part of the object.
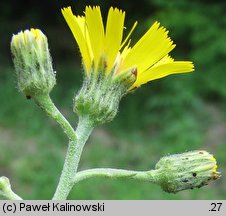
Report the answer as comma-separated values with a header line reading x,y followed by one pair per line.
x,y
162,70
95,31
153,46
114,34
149,56
78,31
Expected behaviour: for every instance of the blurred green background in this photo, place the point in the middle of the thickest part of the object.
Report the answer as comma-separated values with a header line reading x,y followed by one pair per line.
x,y
170,115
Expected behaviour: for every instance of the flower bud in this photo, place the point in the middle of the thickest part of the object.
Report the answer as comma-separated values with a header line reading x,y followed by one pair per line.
x,y
5,186
4,183
186,171
33,63
6,192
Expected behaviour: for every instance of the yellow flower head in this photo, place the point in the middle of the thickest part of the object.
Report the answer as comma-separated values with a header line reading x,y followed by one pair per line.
x,y
148,57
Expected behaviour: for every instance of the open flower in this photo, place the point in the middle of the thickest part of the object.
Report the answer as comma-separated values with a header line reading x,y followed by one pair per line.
x,y
112,67
148,57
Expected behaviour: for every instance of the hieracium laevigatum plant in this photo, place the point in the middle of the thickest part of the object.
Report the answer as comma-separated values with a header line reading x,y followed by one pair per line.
x,y
112,68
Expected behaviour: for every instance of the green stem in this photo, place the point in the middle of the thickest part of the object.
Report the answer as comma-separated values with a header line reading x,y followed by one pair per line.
x,y
45,102
150,176
10,195
6,191
72,159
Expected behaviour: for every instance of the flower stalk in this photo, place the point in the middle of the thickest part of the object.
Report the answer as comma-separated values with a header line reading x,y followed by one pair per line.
x,y
46,104
66,182
150,176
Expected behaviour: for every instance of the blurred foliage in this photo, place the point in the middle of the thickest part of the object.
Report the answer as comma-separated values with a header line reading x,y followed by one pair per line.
x,y
170,115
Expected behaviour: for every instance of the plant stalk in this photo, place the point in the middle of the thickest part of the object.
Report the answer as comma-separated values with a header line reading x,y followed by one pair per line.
x,y
12,196
46,104
150,176
72,159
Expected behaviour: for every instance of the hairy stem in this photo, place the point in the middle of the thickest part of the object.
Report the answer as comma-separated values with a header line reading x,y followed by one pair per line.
x,y
11,196
72,159
6,192
150,176
46,104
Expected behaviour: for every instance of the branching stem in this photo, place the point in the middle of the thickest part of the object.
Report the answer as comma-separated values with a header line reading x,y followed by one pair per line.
x,y
72,159
46,104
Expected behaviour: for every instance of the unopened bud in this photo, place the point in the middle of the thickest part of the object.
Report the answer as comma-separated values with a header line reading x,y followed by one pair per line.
x,y
33,63
6,192
4,183
5,187
186,171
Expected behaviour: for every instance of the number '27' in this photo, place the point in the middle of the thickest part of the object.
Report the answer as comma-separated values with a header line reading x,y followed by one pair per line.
x,y
215,206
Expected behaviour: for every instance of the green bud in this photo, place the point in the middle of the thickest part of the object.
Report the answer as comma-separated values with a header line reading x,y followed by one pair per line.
x,y
186,171
101,93
5,187
4,183
6,191
33,63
